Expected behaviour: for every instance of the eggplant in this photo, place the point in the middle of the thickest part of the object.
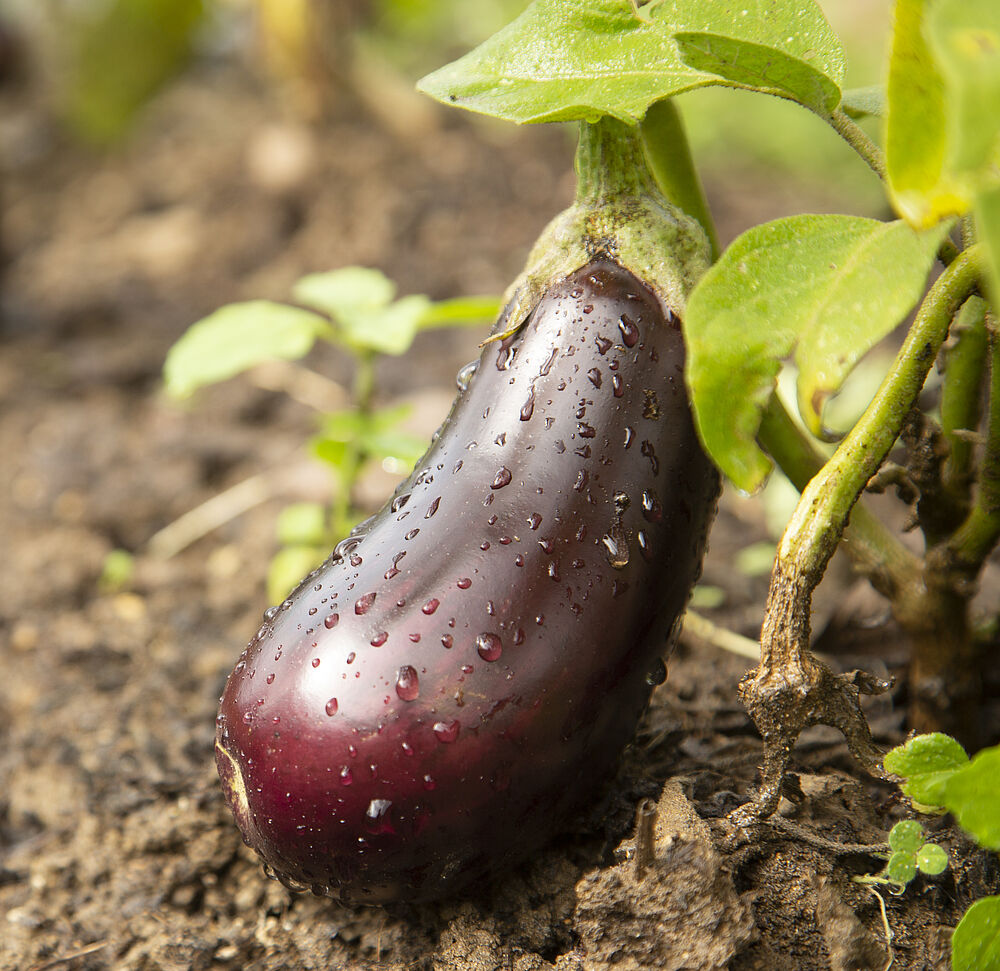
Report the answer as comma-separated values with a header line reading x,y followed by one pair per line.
x,y
462,674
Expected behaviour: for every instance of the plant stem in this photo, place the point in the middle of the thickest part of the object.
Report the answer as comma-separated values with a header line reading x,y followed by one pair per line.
x,y
873,549
975,538
960,395
791,689
610,164
816,525
858,139
669,156
342,514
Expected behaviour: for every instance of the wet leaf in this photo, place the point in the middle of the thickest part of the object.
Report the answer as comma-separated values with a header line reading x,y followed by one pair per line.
x,y
970,794
932,859
237,337
580,59
926,762
906,836
975,944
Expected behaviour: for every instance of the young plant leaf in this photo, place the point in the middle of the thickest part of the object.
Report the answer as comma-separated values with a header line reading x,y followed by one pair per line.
x,y
916,136
288,567
828,287
374,433
237,337
387,331
975,943
348,290
460,312
932,859
760,68
926,762
902,867
358,300
970,794
302,524
964,36
906,836
565,60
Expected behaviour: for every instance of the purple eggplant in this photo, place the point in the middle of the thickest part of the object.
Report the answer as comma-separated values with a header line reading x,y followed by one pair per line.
x,y
461,676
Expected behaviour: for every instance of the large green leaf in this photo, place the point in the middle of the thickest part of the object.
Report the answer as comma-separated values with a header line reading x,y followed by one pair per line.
x,y
564,60
923,190
971,796
827,287
237,337
964,36
975,944
926,762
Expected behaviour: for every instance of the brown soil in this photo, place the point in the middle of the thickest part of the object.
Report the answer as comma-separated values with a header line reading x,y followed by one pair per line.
x,y
116,849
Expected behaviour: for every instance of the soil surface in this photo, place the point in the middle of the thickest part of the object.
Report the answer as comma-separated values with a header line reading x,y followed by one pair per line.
x,y
116,848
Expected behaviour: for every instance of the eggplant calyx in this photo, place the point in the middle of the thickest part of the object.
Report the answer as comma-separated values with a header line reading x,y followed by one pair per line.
x,y
620,214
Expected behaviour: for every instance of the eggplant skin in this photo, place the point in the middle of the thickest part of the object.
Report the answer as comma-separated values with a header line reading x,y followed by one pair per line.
x,y
432,705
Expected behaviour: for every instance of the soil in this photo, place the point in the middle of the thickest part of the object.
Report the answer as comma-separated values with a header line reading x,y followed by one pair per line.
x,y
116,848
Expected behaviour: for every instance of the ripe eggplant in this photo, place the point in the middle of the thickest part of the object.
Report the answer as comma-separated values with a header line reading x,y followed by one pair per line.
x,y
461,676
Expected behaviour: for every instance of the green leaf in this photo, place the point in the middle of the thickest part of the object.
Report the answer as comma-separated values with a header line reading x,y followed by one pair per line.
x,y
916,126
926,762
460,312
829,287
348,290
237,337
975,944
375,433
988,227
387,331
331,451
350,424
964,36
869,100
405,448
760,68
358,299
970,794
301,524
932,859
902,867
906,836
288,567
565,60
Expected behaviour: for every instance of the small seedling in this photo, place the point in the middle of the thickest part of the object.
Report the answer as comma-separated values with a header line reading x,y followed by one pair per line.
x,y
354,309
909,854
